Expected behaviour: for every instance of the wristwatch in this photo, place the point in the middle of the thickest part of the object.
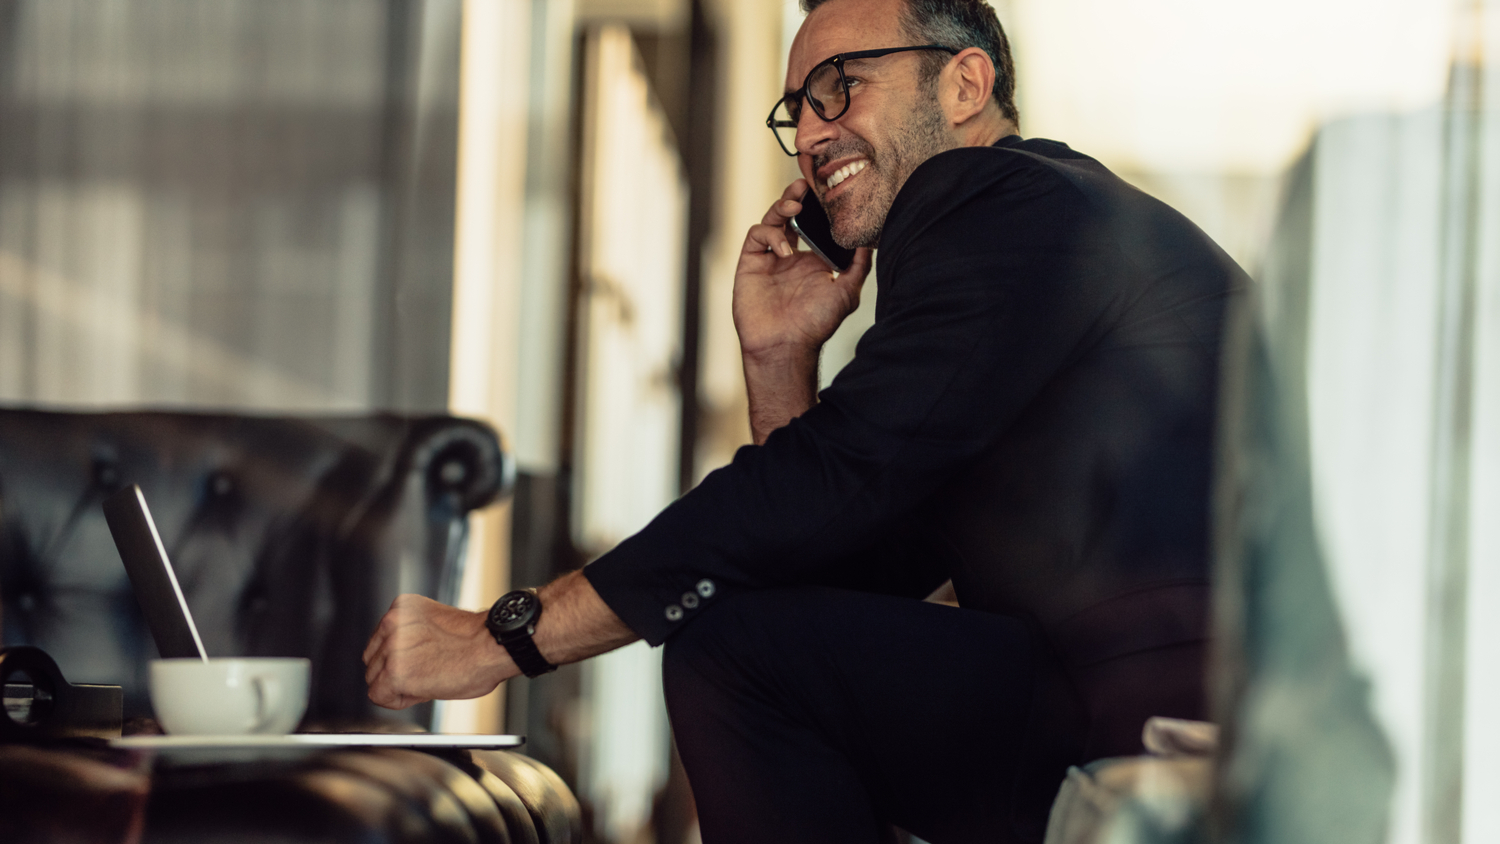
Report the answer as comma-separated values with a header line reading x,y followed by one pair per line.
x,y
512,621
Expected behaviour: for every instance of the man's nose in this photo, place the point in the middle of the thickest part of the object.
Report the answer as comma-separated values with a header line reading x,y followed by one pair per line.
x,y
812,130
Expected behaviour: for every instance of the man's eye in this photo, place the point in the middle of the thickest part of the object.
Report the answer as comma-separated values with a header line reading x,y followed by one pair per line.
x,y
852,80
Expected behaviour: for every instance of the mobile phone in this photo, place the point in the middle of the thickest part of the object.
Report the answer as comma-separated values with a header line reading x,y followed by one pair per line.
x,y
813,227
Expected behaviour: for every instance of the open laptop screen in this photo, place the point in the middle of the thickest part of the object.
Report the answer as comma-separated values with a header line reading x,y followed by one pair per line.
x,y
151,575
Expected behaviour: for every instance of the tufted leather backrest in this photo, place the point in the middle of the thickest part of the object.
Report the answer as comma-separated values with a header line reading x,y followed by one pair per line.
x,y
290,536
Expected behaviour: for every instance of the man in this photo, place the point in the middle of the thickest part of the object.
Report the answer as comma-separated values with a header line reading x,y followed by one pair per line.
x,y
1030,416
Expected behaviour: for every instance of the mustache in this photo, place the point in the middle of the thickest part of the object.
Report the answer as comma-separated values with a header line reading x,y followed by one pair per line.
x,y
842,148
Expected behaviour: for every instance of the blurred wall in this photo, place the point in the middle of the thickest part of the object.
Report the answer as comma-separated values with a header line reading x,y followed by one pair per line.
x,y
1207,105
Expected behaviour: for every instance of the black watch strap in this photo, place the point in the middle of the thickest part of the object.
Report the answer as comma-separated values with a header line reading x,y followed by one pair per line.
x,y
512,621
530,660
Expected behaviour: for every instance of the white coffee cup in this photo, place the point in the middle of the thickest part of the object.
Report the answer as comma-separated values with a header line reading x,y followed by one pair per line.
x,y
229,696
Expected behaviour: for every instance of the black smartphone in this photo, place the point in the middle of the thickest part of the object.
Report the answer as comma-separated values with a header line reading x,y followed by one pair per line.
x,y
813,227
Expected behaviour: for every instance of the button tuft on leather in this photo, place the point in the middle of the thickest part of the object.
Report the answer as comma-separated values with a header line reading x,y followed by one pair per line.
x,y
453,472
106,475
706,588
221,484
690,600
674,613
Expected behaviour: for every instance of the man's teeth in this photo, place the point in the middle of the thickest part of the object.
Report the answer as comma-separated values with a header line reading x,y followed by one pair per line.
x,y
845,172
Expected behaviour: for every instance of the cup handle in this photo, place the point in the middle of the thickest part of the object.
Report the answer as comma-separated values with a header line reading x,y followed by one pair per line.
x,y
267,701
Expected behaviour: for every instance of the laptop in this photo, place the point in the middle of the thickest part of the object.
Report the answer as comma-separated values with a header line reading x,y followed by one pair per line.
x,y
171,624
151,575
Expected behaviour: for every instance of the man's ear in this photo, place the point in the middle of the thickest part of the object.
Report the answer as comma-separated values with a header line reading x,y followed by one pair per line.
x,y
967,85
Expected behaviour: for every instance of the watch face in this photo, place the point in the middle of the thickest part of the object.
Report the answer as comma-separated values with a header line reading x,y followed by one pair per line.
x,y
513,612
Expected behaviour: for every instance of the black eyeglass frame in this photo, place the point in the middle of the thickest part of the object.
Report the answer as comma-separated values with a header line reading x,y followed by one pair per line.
x,y
837,60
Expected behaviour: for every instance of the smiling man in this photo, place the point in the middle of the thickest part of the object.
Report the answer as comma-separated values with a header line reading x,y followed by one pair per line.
x,y
1030,417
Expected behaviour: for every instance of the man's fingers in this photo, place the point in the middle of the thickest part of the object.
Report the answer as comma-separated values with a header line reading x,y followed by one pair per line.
x,y
768,238
388,698
793,193
392,621
854,277
852,280
781,212
864,257
378,693
374,667
388,623
788,206
385,688
383,693
376,641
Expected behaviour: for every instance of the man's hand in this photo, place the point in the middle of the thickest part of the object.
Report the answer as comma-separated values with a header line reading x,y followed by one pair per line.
x,y
424,650
786,305
787,300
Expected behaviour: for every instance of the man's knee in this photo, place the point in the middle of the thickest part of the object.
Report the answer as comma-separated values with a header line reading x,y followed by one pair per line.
x,y
715,633
731,641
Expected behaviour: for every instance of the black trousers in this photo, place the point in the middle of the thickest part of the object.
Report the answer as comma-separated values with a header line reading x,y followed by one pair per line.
x,y
823,715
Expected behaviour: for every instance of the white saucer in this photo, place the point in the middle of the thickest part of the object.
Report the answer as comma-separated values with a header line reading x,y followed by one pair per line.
x,y
297,741
218,750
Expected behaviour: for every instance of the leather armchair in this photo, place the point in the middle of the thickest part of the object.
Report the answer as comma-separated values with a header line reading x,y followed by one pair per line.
x,y
290,536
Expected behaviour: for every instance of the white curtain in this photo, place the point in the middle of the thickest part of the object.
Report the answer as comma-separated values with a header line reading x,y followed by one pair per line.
x,y
226,203
1391,244
633,231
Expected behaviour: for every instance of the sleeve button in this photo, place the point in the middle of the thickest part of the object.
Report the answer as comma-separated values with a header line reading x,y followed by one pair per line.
x,y
690,600
674,613
706,588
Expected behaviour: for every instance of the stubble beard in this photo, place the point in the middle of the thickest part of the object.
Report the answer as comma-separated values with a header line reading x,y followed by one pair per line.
x,y
858,216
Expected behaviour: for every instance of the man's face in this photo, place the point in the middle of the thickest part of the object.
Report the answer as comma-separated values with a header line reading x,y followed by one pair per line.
x,y
893,124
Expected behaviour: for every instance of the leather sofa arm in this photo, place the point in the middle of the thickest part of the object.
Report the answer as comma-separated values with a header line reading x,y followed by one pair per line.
x,y
290,535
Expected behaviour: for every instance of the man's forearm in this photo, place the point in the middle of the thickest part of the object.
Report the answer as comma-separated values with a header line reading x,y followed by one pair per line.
x,y
781,386
576,623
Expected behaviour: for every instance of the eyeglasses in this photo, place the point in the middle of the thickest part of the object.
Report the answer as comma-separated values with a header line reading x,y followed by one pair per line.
x,y
827,91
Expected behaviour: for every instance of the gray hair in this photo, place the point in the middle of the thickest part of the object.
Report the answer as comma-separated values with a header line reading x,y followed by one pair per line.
x,y
958,24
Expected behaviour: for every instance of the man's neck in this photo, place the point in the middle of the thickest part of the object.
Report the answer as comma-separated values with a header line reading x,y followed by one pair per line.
x,y
984,131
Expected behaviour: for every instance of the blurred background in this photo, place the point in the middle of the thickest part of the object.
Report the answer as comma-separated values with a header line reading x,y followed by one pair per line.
x,y
528,211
